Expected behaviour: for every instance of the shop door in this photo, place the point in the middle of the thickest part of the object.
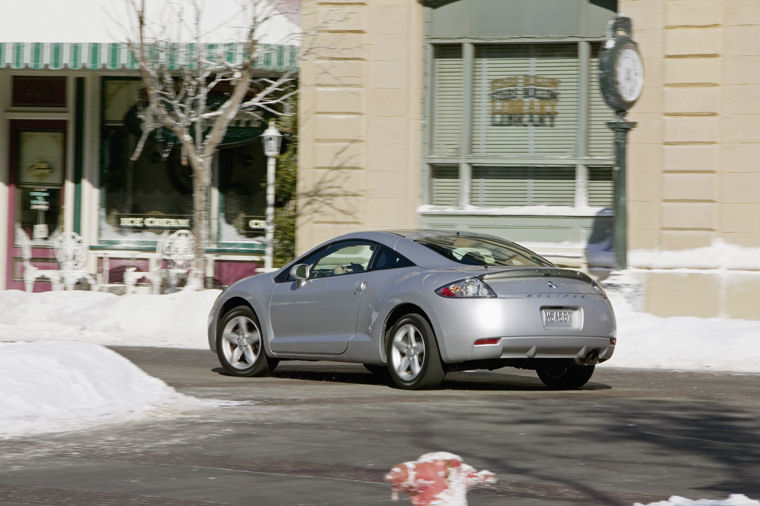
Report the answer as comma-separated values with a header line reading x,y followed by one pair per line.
x,y
35,207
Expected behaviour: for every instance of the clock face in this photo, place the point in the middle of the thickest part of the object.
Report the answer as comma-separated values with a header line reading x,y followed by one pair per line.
x,y
629,74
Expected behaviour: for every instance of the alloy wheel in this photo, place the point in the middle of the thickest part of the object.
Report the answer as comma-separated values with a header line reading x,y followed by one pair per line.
x,y
408,352
241,342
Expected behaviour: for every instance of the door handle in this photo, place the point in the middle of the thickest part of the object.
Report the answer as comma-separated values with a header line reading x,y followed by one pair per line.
x,y
360,286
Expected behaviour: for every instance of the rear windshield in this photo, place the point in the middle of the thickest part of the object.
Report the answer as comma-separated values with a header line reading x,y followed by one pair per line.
x,y
470,250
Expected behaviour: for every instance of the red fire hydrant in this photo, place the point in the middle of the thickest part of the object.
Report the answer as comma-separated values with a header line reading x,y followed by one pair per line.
x,y
438,478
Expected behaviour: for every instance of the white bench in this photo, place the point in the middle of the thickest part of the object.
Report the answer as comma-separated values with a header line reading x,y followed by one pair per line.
x,y
71,253
175,254
32,273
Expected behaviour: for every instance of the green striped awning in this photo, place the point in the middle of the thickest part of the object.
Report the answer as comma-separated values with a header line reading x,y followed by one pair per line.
x,y
116,56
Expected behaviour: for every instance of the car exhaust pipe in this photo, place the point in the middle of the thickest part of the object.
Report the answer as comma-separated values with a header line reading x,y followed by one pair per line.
x,y
590,358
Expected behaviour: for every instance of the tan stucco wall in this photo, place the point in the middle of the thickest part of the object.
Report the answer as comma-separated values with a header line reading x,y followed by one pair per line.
x,y
693,158
360,110
693,161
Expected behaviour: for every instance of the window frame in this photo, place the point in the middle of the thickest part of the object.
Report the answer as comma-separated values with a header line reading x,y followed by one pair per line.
x,y
465,160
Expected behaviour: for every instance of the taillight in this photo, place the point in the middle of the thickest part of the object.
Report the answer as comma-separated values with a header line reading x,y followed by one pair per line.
x,y
466,289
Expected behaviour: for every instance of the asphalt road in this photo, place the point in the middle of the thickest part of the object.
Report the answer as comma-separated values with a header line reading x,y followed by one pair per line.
x,y
326,433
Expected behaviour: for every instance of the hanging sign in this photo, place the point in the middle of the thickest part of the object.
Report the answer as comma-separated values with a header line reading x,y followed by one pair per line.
x,y
524,100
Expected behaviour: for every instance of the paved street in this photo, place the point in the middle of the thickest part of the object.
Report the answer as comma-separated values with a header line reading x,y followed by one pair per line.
x,y
326,433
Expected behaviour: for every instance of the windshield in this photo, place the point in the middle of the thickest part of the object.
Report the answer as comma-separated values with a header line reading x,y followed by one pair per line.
x,y
486,251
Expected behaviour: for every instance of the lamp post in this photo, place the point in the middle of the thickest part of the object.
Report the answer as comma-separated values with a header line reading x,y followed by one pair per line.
x,y
271,139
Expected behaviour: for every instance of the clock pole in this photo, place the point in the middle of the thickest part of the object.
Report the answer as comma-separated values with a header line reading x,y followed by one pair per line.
x,y
621,78
620,221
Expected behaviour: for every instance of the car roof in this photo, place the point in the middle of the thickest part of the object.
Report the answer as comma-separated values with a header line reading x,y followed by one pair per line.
x,y
390,237
429,232
403,241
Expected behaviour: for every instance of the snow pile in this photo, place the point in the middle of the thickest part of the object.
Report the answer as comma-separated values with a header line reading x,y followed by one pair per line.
x,y
719,255
67,386
176,320
733,500
179,320
438,478
683,342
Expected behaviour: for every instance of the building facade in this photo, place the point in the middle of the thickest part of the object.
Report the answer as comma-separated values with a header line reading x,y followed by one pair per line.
x,y
68,132
486,115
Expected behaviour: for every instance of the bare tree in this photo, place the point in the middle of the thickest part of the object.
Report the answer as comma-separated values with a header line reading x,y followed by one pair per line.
x,y
197,99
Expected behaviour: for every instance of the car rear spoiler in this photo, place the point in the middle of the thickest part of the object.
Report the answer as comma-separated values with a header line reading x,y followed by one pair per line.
x,y
537,272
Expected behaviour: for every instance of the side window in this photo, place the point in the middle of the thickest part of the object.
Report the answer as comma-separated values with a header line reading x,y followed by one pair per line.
x,y
344,258
389,259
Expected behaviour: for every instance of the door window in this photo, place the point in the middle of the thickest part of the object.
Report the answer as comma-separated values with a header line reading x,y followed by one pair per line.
x,y
344,258
389,259
39,179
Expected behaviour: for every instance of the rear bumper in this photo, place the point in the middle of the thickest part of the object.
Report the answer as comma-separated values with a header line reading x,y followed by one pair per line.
x,y
517,325
582,349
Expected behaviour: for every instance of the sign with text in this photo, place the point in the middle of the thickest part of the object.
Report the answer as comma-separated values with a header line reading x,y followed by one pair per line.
x,y
150,221
256,222
39,199
524,100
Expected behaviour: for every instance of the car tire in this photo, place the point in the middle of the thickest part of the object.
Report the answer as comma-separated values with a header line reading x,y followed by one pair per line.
x,y
240,344
564,375
414,361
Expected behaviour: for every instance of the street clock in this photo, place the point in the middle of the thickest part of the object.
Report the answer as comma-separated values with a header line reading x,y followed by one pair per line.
x,y
621,70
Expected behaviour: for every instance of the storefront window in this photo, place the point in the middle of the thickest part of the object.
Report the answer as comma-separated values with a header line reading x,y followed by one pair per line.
x,y
445,186
531,138
522,186
242,193
143,198
525,99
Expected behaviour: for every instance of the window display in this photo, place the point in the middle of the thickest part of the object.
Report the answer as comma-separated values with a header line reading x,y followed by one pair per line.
x,y
142,198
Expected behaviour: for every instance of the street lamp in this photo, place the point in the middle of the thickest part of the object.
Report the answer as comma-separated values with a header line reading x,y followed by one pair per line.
x,y
272,138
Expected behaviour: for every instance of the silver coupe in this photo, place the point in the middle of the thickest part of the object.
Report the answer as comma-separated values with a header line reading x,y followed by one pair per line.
x,y
414,305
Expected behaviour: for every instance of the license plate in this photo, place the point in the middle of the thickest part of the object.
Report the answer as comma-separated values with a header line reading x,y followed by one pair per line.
x,y
559,318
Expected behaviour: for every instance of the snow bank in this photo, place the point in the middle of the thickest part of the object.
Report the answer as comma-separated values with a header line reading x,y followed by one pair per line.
x,y
733,500
175,320
682,342
179,321
67,386
719,255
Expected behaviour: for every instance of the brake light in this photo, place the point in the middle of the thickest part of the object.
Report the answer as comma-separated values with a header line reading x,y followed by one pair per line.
x,y
466,289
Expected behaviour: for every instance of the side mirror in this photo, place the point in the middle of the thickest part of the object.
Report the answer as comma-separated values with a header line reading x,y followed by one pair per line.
x,y
300,272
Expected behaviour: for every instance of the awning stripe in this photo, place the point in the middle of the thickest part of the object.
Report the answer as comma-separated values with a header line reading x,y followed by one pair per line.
x,y
117,56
